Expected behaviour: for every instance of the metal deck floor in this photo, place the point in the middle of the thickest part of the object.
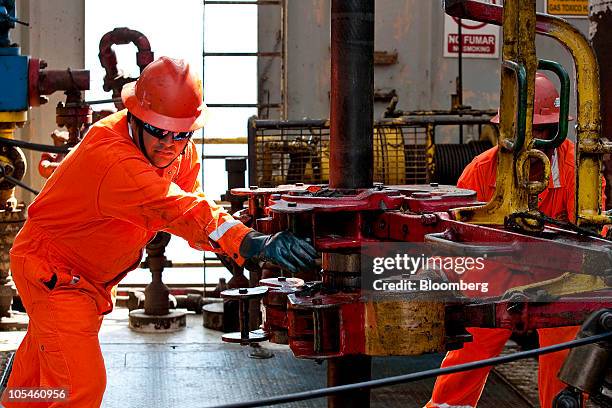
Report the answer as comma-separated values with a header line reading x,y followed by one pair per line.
x,y
193,368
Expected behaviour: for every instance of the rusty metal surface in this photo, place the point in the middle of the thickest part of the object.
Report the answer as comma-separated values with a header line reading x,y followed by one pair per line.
x,y
591,148
212,315
245,296
385,57
363,200
263,191
434,197
519,48
76,119
324,326
74,114
403,328
244,293
156,292
173,321
324,321
50,81
10,223
113,79
275,306
521,316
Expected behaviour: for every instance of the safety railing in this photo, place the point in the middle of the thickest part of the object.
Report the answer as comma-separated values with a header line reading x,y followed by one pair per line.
x,y
405,150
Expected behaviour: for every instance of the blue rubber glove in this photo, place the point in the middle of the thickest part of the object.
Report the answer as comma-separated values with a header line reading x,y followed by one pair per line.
x,y
283,249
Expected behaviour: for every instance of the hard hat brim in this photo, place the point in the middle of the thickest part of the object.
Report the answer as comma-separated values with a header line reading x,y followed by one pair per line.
x,y
130,101
539,119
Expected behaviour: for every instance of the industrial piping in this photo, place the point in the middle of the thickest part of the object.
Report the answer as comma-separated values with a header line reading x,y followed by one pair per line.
x,y
352,94
351,150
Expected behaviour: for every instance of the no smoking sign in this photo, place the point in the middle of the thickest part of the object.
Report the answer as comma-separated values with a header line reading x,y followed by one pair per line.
x,y
480,40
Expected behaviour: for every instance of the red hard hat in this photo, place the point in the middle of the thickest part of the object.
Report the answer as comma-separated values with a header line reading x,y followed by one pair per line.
x,y
168,95
545,102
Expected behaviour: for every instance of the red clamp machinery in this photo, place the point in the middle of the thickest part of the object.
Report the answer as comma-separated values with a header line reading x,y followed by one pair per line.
x,y
330,316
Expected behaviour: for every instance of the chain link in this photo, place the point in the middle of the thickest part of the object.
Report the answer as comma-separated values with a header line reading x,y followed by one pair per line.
x,y
512,222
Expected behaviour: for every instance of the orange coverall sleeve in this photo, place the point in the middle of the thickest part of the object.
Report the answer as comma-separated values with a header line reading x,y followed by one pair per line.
x,y
132,191
471,180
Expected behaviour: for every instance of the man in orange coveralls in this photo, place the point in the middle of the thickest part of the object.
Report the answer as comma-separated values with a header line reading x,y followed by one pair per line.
x,y
464,389
135,173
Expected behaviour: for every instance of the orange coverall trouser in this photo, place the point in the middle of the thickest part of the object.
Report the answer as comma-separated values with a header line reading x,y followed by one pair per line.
x,y
62,339
464,389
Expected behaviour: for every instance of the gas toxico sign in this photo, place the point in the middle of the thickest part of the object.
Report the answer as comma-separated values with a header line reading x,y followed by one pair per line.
x,y
480,40
567,8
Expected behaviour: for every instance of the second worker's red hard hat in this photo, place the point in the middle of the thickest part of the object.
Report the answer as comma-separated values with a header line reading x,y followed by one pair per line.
x,y
168,95
546,102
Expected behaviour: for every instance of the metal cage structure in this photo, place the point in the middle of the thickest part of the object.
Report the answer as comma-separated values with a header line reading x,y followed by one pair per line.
x,y
405,150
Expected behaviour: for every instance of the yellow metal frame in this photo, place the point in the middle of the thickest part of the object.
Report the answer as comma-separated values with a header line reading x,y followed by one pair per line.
x,y
8,123
430,152
590,145
7,133
13,117
567,284
514,192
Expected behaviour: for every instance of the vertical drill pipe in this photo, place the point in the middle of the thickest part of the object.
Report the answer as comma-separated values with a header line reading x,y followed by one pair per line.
x,y
236,168
352,94
252,150
351,145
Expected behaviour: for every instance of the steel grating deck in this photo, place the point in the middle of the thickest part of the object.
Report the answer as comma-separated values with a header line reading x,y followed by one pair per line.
x,y
203,375
193,368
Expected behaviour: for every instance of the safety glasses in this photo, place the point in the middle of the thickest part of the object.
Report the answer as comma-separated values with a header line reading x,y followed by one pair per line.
x,y
162,133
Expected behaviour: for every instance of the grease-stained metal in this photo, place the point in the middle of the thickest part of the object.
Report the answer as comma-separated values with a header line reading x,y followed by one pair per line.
x,y
511,194
144,56
591,147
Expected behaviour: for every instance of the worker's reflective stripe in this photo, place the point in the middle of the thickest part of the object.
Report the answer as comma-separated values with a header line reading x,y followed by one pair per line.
x,y
449,406
222,229
554,169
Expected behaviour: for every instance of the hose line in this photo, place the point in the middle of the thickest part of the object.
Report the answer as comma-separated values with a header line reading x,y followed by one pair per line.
x,y
20,184
400,379
35,146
